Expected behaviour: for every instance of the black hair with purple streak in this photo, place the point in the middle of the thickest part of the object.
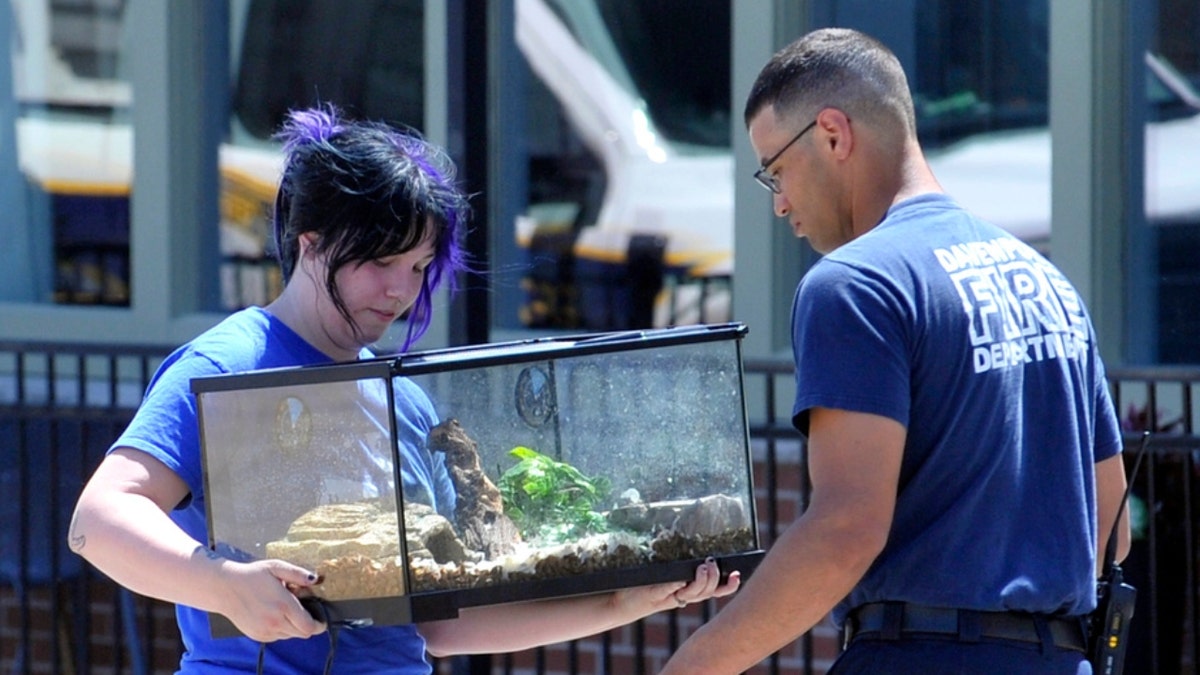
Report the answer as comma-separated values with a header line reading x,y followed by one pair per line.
x,y
368,190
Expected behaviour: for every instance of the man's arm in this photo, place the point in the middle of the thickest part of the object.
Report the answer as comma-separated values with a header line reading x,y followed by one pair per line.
x,y
1110,488
854,463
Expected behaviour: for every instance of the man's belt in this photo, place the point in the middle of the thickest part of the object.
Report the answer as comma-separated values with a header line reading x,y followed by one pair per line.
x,y
895,620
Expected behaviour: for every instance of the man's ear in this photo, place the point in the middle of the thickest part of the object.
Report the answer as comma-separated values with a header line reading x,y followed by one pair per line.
x,y
837,132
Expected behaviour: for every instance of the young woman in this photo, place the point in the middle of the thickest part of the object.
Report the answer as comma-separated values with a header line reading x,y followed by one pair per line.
x,y
367,222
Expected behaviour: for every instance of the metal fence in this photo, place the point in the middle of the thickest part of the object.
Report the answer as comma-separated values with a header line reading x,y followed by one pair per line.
x,y
61,405
60,408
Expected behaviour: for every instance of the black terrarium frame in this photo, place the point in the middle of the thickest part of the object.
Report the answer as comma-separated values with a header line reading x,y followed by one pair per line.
x,y
535,402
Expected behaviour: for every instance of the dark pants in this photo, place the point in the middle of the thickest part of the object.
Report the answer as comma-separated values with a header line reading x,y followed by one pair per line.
x,y
948,656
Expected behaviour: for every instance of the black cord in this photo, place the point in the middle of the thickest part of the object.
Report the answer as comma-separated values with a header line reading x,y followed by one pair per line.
x,y
333,636
1110,547
332,629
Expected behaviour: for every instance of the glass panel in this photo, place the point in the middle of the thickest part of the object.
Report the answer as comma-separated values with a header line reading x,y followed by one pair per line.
x,y
319,481
1172,181
630,189
979,74
628,217
594,462
365,57
64,107
524,470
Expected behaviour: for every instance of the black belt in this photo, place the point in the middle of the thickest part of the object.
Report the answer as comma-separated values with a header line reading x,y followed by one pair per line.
x,y
894,620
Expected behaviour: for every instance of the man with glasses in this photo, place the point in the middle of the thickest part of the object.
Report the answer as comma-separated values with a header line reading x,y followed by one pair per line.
x,y
961,442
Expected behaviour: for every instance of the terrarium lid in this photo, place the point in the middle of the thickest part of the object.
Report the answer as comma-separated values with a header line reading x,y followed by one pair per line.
x,y
470,356
559,346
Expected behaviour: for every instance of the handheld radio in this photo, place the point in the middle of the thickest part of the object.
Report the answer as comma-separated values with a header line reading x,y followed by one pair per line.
x,y
1109,622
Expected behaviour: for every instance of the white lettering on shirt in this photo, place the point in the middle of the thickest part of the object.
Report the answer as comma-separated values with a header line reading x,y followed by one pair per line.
x,y
1020,308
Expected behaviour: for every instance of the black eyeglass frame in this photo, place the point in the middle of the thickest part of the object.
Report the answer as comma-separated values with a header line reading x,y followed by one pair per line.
x,y
763,177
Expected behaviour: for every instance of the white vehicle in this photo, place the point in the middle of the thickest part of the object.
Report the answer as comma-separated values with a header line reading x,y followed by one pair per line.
x,y
666,204
993,157
1004,177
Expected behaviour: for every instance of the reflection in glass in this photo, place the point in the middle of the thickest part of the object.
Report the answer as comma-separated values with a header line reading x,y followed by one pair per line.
x,y
627,221
65,104
65,189
980,79
366,57
1172,180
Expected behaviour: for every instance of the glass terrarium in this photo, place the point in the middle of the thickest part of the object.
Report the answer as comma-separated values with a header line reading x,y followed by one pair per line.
x,y
420,484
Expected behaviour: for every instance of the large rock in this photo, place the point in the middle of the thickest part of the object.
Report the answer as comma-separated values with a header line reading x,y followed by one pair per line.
x,y
705,516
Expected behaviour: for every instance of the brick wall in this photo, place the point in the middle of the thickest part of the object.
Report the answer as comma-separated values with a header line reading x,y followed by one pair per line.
x,y
104,651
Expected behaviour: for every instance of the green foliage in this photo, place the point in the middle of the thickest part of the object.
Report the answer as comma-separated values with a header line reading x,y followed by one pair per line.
x,y
551,500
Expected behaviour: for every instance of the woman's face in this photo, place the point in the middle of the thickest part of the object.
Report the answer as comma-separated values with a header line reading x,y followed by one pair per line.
x,y
375,293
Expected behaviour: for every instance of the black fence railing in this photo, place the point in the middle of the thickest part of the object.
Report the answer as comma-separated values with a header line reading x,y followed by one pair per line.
x,y
61,406
1162,562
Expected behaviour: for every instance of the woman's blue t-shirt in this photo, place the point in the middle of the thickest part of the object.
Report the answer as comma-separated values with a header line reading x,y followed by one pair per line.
x,y
166,428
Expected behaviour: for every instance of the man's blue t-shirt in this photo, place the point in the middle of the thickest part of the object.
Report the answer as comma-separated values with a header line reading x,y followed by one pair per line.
x,y
166,428
983,350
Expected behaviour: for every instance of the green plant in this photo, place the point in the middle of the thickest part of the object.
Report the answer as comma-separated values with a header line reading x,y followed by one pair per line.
x,y
552,500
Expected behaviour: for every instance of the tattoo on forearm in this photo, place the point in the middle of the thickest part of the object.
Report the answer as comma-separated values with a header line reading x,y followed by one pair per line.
x,y
75,540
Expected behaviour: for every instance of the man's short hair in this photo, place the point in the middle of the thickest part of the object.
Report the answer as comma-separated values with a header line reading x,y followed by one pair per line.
x,y
834,68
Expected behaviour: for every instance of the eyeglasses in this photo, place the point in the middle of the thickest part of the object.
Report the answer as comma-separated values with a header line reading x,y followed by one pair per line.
x,y
763,177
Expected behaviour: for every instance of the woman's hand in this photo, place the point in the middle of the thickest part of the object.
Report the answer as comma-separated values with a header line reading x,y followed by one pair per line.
x,y
676,595
523,625
262,600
